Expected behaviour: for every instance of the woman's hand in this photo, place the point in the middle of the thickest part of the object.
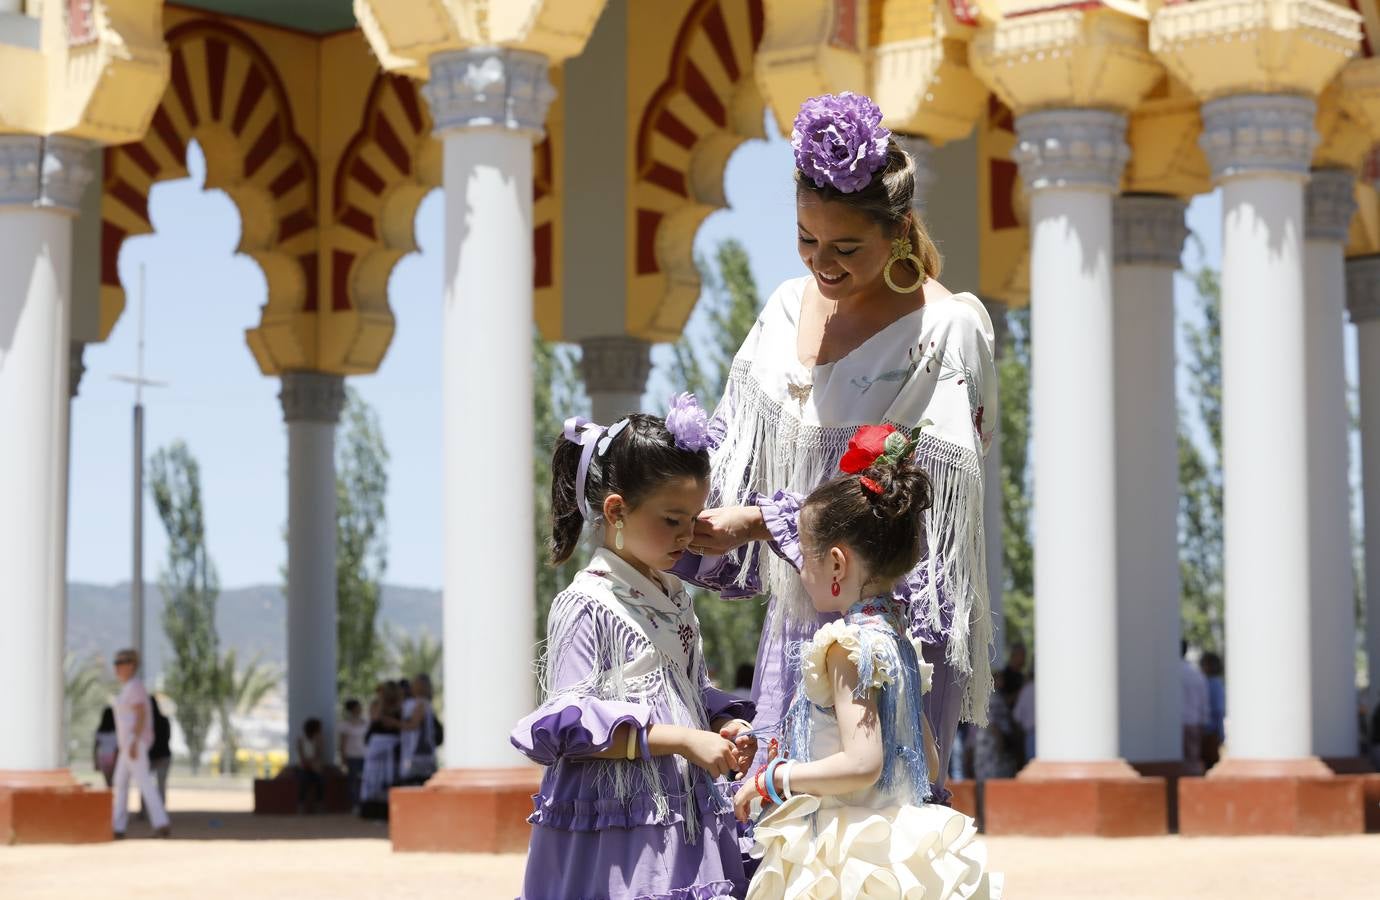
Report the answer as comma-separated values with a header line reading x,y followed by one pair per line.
x,y
718,531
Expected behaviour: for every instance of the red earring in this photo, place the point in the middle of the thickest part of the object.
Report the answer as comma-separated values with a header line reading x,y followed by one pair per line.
x,y
835,589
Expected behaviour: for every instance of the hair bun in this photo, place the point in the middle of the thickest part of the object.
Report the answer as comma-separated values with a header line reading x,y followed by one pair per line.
x,y
905,490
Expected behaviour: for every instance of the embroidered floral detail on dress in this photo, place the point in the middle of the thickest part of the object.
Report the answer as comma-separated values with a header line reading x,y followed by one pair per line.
x,y
687,637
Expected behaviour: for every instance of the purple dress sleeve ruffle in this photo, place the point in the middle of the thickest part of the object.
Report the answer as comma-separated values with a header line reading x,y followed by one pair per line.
x,y
721,704
574,727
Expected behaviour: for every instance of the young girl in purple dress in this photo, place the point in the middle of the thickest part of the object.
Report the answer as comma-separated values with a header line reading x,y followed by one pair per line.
x,y
635,740
848,812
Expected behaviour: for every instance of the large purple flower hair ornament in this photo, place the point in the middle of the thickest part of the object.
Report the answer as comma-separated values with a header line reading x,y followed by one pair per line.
x,y
839,140
688,423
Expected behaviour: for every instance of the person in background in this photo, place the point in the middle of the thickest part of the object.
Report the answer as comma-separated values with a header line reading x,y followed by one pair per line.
x,y
1195,711
1024,714
311,758
418,754
105,747
351,732
1215,733
1375,733
742,680
134,732
1015,669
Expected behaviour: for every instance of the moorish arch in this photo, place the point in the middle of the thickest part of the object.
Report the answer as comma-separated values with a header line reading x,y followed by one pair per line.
x,y
226,94
705,107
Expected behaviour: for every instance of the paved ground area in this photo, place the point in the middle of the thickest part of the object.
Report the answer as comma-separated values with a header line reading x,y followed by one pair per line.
x,y
220,850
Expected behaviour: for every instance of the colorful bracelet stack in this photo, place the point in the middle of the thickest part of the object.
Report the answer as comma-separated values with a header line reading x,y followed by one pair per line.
x,y
771,781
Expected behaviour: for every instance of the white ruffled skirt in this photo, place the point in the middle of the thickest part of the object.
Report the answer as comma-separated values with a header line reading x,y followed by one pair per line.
x,y
809,852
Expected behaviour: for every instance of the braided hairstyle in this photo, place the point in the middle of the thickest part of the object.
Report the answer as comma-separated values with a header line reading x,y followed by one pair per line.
x,y
885,528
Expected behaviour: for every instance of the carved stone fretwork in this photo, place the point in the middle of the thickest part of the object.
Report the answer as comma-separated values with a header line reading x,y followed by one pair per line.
x,y
1083,148
489,87
46,172
1148,230
925,86
615,364
1066,58
312,397
1222,47
1329,204
922,151
1363,288
1359,91
1252,134
1343,140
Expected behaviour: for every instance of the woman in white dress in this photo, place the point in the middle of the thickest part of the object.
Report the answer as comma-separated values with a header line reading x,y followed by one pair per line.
x,y
868,336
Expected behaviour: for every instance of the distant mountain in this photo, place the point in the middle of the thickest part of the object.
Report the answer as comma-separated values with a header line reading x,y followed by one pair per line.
x,y
251,620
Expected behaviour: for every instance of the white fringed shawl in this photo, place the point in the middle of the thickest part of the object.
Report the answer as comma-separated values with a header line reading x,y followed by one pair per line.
x,y
933,364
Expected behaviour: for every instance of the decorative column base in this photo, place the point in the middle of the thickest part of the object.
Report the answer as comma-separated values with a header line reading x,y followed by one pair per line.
x,y
1262,796
1056,799
465,811
52,807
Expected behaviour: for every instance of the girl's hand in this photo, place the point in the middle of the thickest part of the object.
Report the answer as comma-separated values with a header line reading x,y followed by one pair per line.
x,y
745,745
718,531
742,801
711,752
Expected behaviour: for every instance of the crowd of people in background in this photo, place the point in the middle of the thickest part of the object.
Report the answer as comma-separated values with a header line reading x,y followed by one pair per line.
x,y
395,746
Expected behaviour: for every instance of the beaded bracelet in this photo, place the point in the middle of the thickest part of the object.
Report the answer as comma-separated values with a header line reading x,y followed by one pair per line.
x,y
771,780
757,783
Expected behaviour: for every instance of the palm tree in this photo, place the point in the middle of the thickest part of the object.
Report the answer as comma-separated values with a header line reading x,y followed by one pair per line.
x,y
87,688
241,690
417,655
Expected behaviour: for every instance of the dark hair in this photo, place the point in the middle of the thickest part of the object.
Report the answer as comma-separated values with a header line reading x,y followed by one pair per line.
x,y
352,705
311,727
640,458
743,677
886,530
107,720
885,200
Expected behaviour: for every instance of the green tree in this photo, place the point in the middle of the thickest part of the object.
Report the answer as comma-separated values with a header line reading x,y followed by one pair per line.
x,y
1200,468
419,654
557,394
1013,380
87,688
241,690
190,588
702,359
361,554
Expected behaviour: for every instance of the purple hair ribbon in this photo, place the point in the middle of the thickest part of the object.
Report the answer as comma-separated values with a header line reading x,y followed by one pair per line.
x,y
579,430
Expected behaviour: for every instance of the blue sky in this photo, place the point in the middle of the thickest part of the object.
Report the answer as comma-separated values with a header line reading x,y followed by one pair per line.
x,y
200,299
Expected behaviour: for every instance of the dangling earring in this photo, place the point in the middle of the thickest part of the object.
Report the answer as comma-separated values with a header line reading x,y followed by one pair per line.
x,y
618,534
900,249
835,588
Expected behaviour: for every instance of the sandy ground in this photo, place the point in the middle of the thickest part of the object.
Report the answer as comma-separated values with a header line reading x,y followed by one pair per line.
x,y
220,850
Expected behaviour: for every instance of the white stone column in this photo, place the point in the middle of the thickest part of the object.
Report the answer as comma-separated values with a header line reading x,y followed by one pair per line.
x,y
1329,203
312,402
1148,238
615,370
488,106
1363,304
1071,161
41,180
1259,147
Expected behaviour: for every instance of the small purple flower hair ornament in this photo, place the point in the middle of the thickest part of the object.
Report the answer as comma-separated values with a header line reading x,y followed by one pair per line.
x,y
688,423
839,140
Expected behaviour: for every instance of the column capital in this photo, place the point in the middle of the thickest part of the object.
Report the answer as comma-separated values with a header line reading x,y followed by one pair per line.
x,y
1079,148
922,151
615,363
1259,134
44,172
1363,288
312,397
1148,230
489,87
1329,204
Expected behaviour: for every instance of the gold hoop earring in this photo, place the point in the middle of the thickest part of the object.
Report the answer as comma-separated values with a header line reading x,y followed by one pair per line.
x,y
900,249
618,535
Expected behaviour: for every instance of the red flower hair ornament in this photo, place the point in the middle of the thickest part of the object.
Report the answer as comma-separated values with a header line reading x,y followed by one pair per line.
x,y
878,446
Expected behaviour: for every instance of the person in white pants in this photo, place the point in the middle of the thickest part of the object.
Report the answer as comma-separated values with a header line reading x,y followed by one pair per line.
x,y
134,734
